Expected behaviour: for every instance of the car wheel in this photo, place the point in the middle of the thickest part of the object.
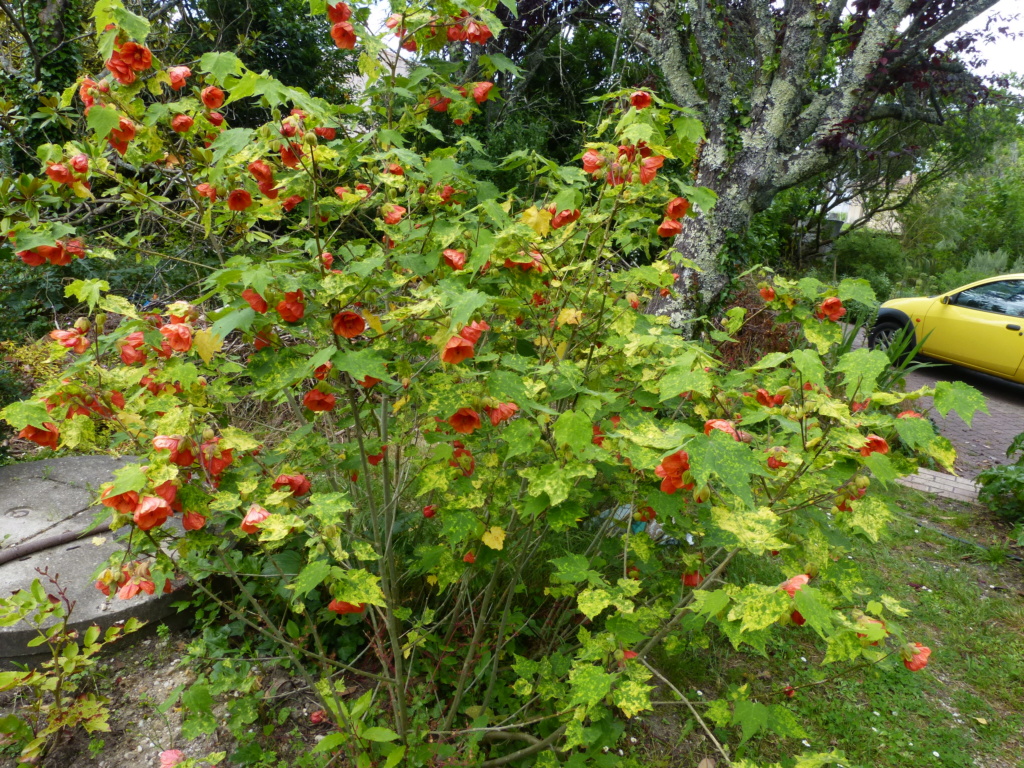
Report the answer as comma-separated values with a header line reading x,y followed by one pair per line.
x,y
887,333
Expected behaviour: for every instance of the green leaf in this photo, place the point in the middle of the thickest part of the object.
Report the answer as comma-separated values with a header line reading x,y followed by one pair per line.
x,y
632,697
118,305
571,568
501,62
942,450
843,646
395,757
751,717
881,468
823,334
243,87
731,460
310,577
129,478
869,517
857,289
102,120
462,304
710,603
136,26
521,436
87,291
230,142
625,628
676,381
45,234
440,167
378,734
511,5
809,364
689,128
589,685
784,723
810,287
592,601
25,413
460,526
575,429
771,360
567,199
555,481
361,363
861,368
754,530
232,321
331,741
221,65
357,586
815,614
198,699
915,433
235,438
328,508
759,606
959,397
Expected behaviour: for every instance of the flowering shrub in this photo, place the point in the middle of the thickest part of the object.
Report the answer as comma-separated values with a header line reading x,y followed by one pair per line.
x,y
471,395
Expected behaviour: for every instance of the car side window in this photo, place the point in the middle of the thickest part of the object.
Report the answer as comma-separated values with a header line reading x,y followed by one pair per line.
x,y
1005,297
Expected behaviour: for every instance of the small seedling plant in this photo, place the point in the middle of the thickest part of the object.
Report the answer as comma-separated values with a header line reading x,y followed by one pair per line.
x,y
53,703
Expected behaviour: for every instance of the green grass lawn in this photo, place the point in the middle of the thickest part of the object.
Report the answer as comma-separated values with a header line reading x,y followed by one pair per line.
x,y
966,708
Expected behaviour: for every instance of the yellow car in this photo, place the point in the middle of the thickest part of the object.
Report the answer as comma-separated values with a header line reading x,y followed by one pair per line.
x,y
979,326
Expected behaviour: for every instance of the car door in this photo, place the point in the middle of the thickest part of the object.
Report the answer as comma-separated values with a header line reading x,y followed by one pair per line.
x,y
981,327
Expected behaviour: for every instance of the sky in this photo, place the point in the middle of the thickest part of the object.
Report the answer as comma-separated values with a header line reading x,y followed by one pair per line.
x,y
1004,54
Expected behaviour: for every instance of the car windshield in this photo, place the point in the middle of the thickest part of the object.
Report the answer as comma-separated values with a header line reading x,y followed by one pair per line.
x,y
1004,296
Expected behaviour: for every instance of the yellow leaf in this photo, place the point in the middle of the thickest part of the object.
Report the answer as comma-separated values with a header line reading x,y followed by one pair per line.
x,y
399,404
494,538
373,321
98,541
537,219
207,344
569,316
982,720
561,349
431,579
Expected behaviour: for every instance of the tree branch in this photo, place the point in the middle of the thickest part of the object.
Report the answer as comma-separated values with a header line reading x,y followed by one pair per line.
x,y
666,48
708,39
903,112
917,40
36,58
843,99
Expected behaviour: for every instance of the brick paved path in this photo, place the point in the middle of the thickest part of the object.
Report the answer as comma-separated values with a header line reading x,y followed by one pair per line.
x,y
984,443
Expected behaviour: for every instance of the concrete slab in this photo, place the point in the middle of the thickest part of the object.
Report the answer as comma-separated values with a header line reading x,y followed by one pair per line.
x,y
43,498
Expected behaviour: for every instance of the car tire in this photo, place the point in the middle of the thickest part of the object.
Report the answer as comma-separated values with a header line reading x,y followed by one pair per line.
x,y
884,334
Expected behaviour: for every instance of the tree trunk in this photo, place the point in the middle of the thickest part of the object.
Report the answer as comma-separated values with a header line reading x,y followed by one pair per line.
x,y
743,186
702,243
780,89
